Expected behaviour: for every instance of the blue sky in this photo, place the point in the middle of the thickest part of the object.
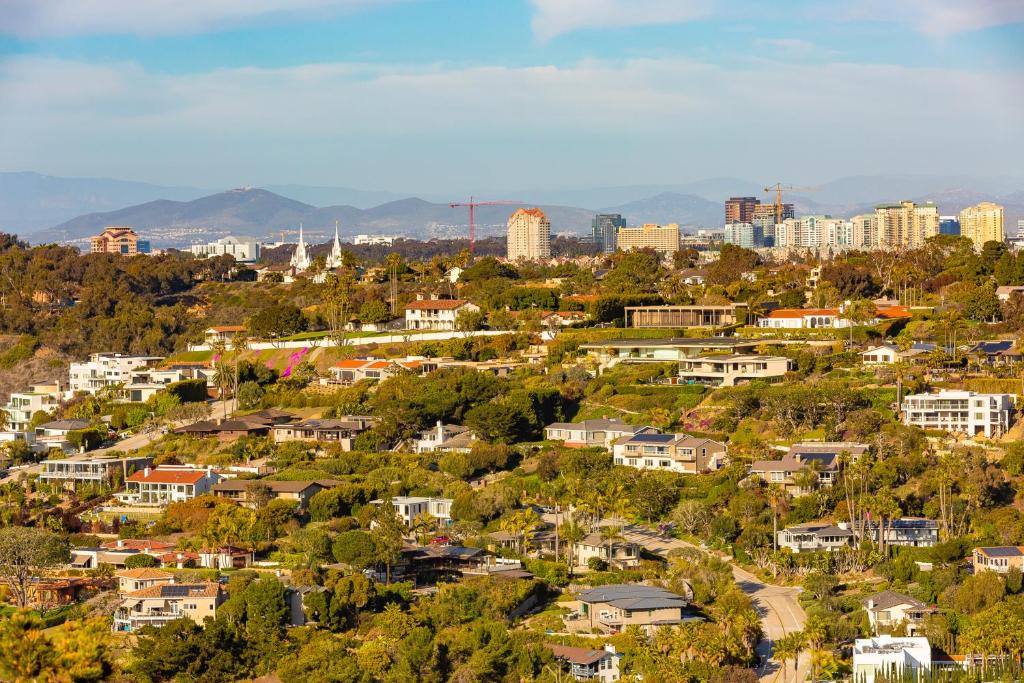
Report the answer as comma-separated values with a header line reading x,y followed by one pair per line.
x,y
467,95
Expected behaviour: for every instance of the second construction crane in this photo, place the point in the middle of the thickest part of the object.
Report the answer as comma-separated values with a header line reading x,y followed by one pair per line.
x,y
778,188
472,204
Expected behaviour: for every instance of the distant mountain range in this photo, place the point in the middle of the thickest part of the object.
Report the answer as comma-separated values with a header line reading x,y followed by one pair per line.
x,y
49,209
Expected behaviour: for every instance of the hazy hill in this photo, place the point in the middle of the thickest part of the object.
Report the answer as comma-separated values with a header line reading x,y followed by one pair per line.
x,y
671,207
30,201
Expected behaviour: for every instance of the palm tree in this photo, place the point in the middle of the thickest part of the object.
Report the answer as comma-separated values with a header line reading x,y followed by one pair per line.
x,y
785,649
223,378
779,503
422,525
239,344
392,261
571,533
609,535
5,419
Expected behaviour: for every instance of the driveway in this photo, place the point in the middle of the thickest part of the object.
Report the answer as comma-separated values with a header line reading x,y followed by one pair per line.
x,y
778,607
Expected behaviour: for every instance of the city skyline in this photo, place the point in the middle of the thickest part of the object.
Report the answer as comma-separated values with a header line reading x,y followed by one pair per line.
x,y
436,95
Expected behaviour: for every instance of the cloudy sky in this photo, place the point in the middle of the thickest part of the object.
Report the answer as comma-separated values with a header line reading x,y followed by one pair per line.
x,y
475,95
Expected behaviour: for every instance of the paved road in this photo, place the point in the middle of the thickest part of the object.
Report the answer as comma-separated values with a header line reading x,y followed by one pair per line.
x,y
778,606
132,443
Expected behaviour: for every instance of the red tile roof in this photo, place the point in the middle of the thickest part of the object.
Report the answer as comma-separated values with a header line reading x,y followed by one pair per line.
x,y
436,304
143,574
159,476
894,312
351,363
228,328
137,544
530,212
801,312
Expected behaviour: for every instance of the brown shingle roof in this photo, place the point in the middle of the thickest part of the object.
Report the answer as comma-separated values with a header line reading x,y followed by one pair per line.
x,y
143,574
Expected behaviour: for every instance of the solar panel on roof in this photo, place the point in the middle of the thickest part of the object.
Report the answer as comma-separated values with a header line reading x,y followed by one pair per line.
x,y
1002,552
175,591
654,438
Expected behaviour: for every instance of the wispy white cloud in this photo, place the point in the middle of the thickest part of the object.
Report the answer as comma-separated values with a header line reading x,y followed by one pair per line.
x,y
555,17
33,18
940,17
437,127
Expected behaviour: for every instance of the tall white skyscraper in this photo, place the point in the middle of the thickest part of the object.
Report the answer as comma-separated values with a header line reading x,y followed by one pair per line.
x,y
529,235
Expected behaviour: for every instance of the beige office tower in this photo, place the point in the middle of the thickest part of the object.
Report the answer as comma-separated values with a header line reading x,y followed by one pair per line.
x,y
982,223
662,238
529,235
905,225
865,235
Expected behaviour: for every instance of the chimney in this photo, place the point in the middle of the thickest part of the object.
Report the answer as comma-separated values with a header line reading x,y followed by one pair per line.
x,y
419,297
843,525
440,432
120,543
146,470
609,648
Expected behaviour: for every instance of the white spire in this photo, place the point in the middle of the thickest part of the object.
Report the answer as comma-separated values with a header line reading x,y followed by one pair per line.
x,y
300,259
334,259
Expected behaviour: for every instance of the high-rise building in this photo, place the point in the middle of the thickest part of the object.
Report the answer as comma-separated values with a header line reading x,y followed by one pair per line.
x,y
768,211
740,209
905,225
529,235
982,223
949,225
662,238
745,235
811,232
605,227
118,240
864,234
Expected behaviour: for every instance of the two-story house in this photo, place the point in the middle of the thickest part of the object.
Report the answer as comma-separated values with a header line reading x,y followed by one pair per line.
x,y
615,607
601,433
24,404
669,452
728,371
799,472
889,610
585,664
129,580
444,438
338,430
436,314
96,469
166,484
815,537
998,559
411,507
915,532
159,604
104,370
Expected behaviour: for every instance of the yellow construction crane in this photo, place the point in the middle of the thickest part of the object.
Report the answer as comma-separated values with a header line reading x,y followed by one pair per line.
x,y
777,188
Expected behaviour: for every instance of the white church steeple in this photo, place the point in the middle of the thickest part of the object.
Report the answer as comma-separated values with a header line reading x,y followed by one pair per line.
x,y
334,259
300,259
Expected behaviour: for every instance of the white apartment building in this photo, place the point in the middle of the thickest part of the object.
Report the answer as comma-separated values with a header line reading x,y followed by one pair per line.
x,y
905,224
887,656
382,240
243,249
728,371
664,239
529,235
105,369
863,233
965,412
411,507
436,314
24,404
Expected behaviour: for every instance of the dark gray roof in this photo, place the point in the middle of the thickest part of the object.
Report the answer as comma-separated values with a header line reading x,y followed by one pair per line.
x,y
68,425
1003,551
634,596
889,599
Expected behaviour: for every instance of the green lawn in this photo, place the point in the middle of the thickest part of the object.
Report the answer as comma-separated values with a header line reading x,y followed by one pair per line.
x,y
191,356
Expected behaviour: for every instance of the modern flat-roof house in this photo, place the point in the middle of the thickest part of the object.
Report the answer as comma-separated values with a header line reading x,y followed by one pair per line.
x,y
815,537
159,604
243,249
100,469
884,657
105,369
615,607
592,433
670,452
799,472
585,664
436,314
411,507
166,484
614,351
998,558
443,438
889,610
728,371
340,430
964,412
24,404
677,317
914,532
250,492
